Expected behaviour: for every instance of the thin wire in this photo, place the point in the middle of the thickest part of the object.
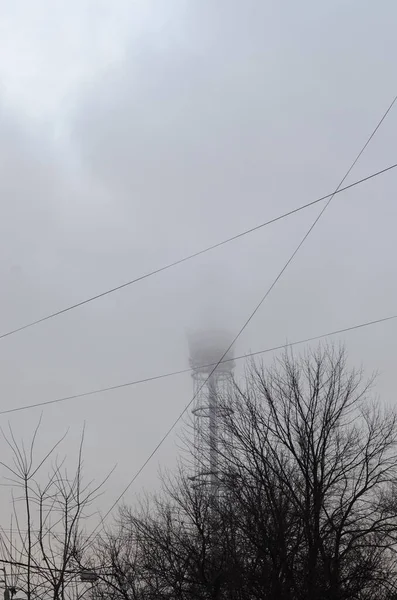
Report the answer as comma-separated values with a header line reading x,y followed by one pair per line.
x,y
189,370
246,323
194,255
37,567
43,568
16,532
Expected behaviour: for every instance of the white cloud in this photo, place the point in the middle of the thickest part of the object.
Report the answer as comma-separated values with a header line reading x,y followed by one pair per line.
x,y
51,48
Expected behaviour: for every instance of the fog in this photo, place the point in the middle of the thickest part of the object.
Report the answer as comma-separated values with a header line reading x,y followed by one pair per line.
x,y
133,134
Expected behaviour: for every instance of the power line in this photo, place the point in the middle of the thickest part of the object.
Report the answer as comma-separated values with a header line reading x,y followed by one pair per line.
x,y
16,563
54,569
191,256
249,319
48,532
189,370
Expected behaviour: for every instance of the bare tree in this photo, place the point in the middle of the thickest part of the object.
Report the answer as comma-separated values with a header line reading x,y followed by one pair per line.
x,y
49,512
311,447
306,507
166,549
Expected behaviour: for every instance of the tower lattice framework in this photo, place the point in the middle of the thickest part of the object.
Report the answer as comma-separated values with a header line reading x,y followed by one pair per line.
x,y
211,392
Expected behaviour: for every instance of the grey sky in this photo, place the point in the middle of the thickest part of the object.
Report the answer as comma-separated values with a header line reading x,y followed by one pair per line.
x,y
133,134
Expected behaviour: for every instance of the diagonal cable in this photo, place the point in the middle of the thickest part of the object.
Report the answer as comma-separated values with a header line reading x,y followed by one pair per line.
x,y
248,320
192,256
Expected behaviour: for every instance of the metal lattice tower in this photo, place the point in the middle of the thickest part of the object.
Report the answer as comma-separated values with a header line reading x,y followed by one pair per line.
x,y
211,394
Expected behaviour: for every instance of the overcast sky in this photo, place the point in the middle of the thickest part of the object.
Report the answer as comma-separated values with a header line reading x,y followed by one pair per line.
x,y
133,133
